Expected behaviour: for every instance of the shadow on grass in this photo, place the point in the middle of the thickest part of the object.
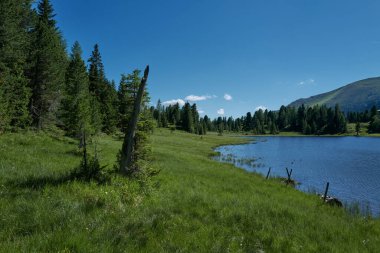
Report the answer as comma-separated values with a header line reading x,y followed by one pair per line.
x,y
33,182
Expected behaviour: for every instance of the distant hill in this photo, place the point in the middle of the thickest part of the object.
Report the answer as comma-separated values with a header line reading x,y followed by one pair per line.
x,y
355,97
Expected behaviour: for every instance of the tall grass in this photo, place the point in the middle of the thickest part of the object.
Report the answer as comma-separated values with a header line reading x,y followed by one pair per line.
x,y
195,204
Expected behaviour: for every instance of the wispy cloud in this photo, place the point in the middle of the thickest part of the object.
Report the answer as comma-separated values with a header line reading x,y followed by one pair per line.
x,y
261,107
220,111
190,98
306,82
181,102
201,111
195,98
227,97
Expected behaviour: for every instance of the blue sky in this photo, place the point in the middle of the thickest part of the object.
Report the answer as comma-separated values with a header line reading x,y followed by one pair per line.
x,y
259,53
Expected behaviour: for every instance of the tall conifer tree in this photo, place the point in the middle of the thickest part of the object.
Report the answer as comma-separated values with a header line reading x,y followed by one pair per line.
x,y
187,118
76,104
48,64
104,92
15,21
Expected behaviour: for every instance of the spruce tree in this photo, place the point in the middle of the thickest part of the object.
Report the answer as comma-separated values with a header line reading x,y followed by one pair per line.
x,y
195,114
135,154
247,125
96,117
96,73
76,104
176,115
373,111
374,125
187,118
16,98
158,114
357,128
127,92
340,125
109,108
104,92
15,21
47,67
124,108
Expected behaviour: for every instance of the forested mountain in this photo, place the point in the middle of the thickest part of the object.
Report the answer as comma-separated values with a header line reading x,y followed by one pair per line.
x,y
355,97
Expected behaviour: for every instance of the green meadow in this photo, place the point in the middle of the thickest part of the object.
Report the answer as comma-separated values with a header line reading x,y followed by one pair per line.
x,y
194,204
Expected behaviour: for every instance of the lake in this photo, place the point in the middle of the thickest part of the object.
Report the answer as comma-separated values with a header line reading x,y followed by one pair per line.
x,y
350,164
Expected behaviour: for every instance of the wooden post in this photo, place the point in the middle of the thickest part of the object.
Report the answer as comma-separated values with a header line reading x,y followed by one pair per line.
x,y
268,173
326,190
128,144
289,174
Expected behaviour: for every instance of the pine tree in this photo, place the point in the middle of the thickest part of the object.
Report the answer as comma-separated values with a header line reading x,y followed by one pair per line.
x,y
164,120
15,21
96,117
374,125
357,128
248,123
47,67
282,119
187,119
176,115
135,153
158,114
195,114
124,105
104,92
373,111
110,108
76,104
127,92
16,97
340,125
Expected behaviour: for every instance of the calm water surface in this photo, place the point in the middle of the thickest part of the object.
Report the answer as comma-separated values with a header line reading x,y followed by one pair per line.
x,y
350,164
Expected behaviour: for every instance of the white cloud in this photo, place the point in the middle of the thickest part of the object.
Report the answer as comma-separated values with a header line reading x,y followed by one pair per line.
x,y
194,98
220,111
307,82
260,107
201,111
227,97
174,101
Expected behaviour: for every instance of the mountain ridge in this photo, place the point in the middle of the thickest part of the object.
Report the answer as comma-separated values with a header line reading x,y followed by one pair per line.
x,y
354,97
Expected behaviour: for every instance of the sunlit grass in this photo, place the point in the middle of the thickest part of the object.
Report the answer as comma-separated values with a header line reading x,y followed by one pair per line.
x,y
194,204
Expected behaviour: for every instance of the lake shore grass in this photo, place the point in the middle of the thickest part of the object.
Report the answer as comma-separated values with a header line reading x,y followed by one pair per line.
x,y
195,204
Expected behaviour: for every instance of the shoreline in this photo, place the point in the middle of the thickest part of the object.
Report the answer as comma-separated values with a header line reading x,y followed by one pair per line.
x,y
348,204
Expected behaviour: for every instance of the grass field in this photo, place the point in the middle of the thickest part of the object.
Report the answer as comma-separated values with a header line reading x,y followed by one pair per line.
x,y
194,204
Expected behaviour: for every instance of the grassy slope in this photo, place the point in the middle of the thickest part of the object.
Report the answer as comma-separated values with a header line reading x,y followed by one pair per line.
x,y
197,205
357,96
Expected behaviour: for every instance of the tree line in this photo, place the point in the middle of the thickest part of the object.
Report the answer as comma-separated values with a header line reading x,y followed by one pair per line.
x,y
44,87
315,120
372,117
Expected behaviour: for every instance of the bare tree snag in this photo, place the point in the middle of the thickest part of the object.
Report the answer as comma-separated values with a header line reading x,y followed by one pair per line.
x,y
128,144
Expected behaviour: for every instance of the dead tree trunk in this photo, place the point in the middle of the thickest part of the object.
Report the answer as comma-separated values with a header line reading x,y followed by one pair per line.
x,y
126,160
